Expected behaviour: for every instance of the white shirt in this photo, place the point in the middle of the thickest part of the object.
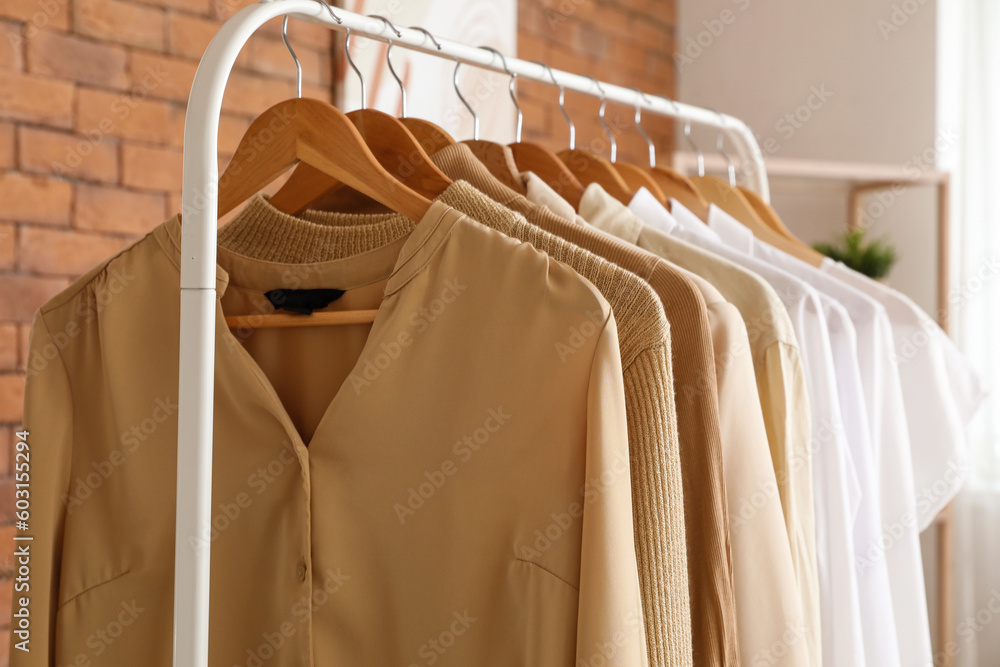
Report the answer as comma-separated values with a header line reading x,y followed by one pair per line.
x,y
888,558
835,482
940,393
691,223
651,211
730,231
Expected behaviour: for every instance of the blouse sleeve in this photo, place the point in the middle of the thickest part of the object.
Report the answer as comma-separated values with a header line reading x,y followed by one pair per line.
x,y
48,417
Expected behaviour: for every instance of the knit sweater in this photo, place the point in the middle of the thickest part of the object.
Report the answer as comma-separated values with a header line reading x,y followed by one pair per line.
x,y
713,607
644,338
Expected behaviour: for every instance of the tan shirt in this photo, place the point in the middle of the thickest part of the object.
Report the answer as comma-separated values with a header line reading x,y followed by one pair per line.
x,y
649,401
781,385
710,567
767,594
710,581
539,192
423,488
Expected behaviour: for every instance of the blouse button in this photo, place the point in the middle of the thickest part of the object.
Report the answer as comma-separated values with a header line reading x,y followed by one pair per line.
x,y
301,570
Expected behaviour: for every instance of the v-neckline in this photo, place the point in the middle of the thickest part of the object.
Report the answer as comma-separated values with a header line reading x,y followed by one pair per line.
x,y
281,410
263,223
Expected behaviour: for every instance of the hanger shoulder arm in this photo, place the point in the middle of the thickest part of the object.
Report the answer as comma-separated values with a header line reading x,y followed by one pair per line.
x,y
430,137
499,160
396,149
332,144
544,164
257,162
636,178
592,168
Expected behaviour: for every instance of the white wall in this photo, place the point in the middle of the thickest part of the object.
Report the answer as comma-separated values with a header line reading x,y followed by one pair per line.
x,y
867,70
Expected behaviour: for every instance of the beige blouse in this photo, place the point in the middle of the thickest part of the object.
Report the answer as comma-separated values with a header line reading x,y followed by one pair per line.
x,y
449,485
781,386
768,601
710,568
657,501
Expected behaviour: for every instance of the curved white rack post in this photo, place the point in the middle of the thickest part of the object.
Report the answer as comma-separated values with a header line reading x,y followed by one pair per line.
x,y
199,206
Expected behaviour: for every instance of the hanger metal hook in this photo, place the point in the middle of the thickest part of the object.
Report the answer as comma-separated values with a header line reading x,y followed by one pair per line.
x,y
600,116
687,132
291,51
719,143
387,23
426,32
562,104
295,58
638,126
388,59
350,61
701,158
329,9
510,89
687,136
475,117
433,40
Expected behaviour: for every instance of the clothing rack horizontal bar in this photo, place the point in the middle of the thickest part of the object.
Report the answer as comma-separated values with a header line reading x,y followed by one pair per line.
x,y
373,28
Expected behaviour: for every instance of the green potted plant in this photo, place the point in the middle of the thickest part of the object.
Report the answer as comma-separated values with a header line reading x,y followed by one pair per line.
x,y
874,259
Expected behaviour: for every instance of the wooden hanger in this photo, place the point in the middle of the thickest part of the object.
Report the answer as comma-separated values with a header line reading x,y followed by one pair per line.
x,y
288,320
497,158
590,167
430,137
394,147
733,202
771,219
636,178
318,134
679,186
544,163
767,213
676,185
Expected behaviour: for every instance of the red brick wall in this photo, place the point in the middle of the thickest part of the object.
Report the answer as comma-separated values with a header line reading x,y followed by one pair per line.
x,y
92,96
626,42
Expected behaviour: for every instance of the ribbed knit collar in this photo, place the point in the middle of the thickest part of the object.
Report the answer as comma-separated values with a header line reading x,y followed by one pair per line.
x,y
264,234
263,248
459,159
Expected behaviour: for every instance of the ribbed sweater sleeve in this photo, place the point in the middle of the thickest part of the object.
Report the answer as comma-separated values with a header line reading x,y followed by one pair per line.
x,y
710,569
656,495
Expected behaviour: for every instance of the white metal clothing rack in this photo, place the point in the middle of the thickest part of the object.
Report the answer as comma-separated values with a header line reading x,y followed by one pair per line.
x,y
199,205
